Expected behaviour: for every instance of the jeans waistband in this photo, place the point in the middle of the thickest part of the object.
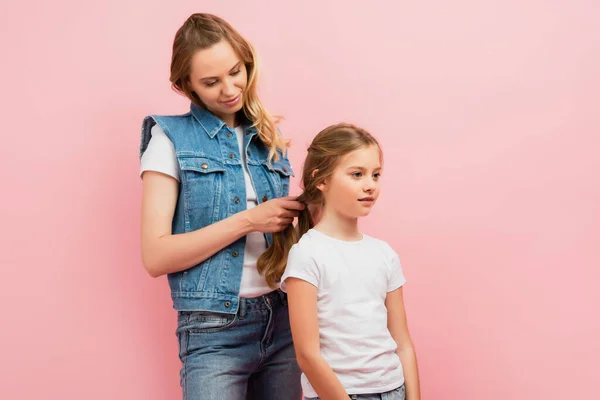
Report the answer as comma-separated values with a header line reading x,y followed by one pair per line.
x,y
271,300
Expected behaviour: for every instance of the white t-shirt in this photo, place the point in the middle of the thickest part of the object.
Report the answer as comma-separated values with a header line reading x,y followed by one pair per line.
x,y
160,156
353,279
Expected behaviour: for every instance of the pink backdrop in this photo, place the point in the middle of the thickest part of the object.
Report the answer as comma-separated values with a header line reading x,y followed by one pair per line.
x,y
488,112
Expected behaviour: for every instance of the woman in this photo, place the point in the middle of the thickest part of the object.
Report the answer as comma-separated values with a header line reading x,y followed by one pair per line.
x,y
215,188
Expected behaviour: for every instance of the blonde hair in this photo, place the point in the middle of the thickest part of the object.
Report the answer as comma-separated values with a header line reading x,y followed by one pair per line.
x,y
324,154
201,31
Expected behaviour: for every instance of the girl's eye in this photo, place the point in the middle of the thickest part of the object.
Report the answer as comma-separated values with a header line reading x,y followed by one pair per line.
x,y
236,72
357,174
376,176
210,84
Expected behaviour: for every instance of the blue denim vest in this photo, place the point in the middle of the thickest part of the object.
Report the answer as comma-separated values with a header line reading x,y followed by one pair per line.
x,y
212,188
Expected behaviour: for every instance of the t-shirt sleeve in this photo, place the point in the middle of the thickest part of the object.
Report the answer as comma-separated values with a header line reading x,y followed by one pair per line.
x,y
160,155
300,265
396,277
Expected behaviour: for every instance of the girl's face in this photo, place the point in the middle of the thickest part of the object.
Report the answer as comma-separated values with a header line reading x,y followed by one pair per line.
x,y
353,188
218,76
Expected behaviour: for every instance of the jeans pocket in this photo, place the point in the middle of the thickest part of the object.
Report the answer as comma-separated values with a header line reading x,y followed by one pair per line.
x,y
400,393
196,322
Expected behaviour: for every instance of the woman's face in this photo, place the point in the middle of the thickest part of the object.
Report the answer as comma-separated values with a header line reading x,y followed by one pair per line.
x,y
219,77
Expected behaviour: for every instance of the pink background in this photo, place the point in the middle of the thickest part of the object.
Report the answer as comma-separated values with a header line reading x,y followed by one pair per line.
x,y
488,112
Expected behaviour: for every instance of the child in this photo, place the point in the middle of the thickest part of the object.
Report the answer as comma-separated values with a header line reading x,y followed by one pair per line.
x,y
344,287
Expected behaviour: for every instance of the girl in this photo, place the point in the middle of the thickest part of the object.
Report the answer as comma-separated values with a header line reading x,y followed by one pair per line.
x,y
215,186
345,288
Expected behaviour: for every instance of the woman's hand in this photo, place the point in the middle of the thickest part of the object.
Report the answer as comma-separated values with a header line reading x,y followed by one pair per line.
x,y
274,215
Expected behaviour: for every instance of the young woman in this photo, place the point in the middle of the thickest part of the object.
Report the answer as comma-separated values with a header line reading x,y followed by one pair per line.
x,y
345,287
215,188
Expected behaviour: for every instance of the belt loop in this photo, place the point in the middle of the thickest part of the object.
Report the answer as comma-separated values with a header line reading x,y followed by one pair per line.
x,y
242,308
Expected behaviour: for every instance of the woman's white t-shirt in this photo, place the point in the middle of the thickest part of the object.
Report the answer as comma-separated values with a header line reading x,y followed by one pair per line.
x,y
160,156
353,279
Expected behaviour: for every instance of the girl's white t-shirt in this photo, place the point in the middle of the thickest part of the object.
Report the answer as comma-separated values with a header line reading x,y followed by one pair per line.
x,y
353,279
160,156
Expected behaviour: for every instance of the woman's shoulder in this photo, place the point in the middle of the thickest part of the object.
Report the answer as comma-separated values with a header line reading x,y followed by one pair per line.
x,y
158,128
165,119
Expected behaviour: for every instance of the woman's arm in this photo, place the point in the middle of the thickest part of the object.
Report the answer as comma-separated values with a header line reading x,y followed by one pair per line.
x,y
163,252
302,298
398,327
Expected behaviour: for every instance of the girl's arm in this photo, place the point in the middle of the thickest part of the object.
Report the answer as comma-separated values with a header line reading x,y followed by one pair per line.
x,y
302,298
398,327
163,252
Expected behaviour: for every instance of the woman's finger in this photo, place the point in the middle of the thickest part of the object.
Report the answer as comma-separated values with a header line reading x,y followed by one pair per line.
x,y
292,205
288,214
285,221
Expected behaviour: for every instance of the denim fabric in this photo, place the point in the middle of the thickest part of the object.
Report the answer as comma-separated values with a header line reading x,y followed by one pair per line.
x,y
248,355
212,185
396,394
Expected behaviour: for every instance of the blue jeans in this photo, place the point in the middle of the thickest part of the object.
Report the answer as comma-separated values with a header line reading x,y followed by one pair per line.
x,y
247,356
396,394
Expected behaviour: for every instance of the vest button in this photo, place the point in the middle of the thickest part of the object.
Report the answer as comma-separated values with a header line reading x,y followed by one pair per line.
x,y
204,166
265,198
228,134
284,169
235,254
236,200
231,155
227,304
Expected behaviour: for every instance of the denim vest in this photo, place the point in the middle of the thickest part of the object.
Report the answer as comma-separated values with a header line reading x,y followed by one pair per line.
x,y
212,188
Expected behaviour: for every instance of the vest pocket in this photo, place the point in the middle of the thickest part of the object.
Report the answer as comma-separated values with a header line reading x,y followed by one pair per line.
x,y
201,187
279,174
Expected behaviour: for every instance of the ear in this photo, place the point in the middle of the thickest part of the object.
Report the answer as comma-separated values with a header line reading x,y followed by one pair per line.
x,y
320,186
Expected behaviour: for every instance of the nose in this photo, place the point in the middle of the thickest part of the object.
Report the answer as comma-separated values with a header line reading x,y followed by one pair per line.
x,y
370,185
228,89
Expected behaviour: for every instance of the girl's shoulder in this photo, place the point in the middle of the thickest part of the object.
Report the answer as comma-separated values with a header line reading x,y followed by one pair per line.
x,y
310,246
307,242
386,249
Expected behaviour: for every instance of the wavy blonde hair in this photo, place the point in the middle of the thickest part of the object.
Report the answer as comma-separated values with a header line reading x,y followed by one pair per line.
x,y
201,31
324,154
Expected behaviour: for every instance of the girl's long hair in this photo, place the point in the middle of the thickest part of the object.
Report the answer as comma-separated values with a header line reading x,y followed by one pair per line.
x,y
324,154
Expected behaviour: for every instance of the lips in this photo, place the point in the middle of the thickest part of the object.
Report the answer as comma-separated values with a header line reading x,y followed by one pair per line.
x,y
232,100
367,199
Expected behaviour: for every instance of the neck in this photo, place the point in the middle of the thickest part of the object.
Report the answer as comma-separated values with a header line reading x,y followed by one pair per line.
x,y
230,120
338,226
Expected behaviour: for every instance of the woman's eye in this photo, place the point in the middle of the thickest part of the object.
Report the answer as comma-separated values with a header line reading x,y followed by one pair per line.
x,y
376,176
357,174
235,72
210,84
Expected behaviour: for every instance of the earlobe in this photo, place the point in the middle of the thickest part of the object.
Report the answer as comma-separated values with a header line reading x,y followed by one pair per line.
x,y
320,186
